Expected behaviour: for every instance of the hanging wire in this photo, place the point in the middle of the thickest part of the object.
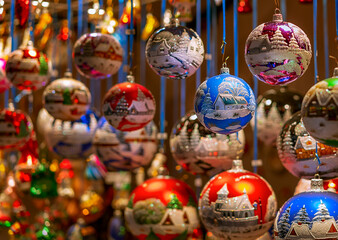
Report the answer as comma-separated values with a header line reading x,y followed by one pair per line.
x,y
255,137
31,21
283,8
224,31
326,39
163,91
277,3
198,30
131,34
235,38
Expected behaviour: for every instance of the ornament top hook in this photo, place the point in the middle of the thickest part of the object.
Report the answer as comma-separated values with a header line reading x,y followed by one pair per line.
x,y
277,17
317,184
175,22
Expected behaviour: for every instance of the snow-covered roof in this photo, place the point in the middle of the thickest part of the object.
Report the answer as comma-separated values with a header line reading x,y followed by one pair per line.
x,y
224,190
320,229
300,230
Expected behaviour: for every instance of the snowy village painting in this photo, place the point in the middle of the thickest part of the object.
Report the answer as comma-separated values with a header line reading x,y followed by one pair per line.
x,y
297,151
277,56
201,151
224,104
235,215
125,150
175,52
307,217
320,111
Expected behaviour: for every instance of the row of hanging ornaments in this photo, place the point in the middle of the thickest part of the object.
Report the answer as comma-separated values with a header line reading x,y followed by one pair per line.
x,y
234,204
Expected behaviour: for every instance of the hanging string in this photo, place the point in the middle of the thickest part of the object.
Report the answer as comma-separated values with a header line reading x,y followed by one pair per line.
x,y
198,30
326,39
143,46
224,31
235,38
131,34
80,18
283,9
183,90
163,91
315,39
255,137
214,42
69,48
121,75
31,21
208,55
277,3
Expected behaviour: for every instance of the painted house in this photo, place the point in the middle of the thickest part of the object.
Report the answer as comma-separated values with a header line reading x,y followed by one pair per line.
x,y
306,148
320,105
259,45
225,101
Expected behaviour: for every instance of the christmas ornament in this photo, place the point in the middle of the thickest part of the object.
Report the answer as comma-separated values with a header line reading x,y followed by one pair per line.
x,y
224,103
244,6
320,111
64,177
20,223
277,52
162,208
43,120
43,182
305,185
117,230
95,14
274,108
200,151
151,24
183,9
22,12
80,231
175,51
72,139
125,150
95,170
305,1
237,204
309,215
128,106
4,83
97,55
46,232
91,205
15,128
297,150
5,209
126,17
27,68
66,98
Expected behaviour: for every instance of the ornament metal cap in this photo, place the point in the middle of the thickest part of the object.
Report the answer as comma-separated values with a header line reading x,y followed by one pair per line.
x,y
130,78
225,69
174,22
237,166
335,72
68,74
317,184
163,172
277,17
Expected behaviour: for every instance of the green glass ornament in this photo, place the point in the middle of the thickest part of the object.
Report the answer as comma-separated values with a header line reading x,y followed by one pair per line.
x,y
43,183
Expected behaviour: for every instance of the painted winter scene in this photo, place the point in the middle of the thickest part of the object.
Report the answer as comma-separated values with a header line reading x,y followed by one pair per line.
x,y
224,104
320,111
97,55
125,150
308,216
201,151
129,106
297,149
71,139
175,52
236,217
277,53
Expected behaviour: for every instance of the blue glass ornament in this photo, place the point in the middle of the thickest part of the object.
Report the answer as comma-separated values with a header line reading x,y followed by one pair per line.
x,y
309,215
224,103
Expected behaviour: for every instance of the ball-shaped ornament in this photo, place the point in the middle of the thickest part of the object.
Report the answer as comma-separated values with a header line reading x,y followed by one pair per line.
x,y
16,128
66,98
175,51
80,230
27,68
297,151
162,208
320,111
224,103
97,55
71,139
274,108
237,204
309,215
129,106
125,150
277,52
200,151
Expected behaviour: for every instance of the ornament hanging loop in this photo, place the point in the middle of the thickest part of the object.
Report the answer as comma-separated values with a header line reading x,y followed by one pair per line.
x,y
277,3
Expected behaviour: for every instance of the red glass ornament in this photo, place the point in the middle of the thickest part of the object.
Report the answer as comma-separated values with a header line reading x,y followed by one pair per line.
x,y
305,1
163,208
22,11
128,106
244,6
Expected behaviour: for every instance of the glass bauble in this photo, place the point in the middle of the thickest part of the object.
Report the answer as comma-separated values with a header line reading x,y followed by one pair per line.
x,y
43,120
97,55
237,204
224,103
43,183
116,229
66,98
128,106
305,185
27,68
183,9
80,230
309,215
175,51
15,128
297,150
320,111
162,208
95,170
91,205
125,150
274,108
277,52
71,139
200,151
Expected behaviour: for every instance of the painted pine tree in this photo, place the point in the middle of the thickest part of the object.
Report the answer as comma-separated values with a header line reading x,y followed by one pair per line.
x,y
23,129
152,236
140,95
289,151
183,138
43,66
293,43
205,199
283,223
130,202
302,216
182,236
174,203
207,106
122,106
278,41
195,137
191,202
67,98
322,213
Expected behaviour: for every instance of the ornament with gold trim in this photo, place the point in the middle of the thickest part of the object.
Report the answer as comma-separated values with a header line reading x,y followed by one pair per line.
x,y
162,208
183,9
